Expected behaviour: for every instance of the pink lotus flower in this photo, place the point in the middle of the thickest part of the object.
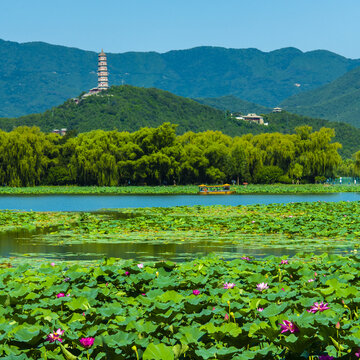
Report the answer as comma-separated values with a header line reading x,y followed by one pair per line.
x,y
52,264
262,286
229,285
55,336
260,309
288,326
253,221
226,317
140,266
284,262
357,354
245,258
196,292
326,357
127,273
318,307
310,280
87,342
59,295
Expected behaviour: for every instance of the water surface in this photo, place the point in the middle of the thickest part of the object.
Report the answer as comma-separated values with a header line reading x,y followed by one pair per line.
x,y
96,202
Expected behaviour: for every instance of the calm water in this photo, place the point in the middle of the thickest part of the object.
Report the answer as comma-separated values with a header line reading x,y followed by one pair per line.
x,y
33,244
96,202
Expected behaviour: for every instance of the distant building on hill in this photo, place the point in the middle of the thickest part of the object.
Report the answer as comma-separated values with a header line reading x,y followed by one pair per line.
x,y
277,110
103,80
254,118
61,132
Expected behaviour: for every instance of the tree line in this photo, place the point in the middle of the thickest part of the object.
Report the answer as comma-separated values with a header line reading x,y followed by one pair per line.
x,y
153,156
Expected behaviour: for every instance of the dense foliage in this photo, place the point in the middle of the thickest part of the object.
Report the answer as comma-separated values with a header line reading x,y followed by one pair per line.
x,y
157,156
127,108
337,101
28,85
301,308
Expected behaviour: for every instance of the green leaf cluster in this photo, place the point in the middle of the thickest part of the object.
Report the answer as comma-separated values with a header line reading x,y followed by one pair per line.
x,y
153,313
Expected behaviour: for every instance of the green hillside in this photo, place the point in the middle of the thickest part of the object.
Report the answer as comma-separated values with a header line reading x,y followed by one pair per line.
x,y
337,101
128,108
234,104
36,76
125,108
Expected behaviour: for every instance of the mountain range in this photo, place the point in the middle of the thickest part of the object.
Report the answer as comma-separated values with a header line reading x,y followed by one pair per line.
x,y
37,76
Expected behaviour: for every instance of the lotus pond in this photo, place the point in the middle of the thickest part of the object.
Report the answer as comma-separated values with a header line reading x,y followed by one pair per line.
x,y
183,233
180,189
306,307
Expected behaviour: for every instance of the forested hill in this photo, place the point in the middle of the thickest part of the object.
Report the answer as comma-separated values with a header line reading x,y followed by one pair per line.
x,y
234,104
337,101
128,108
36,76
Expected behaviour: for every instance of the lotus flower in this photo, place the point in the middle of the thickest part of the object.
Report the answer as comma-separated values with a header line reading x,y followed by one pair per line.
x,y
59,295
288,326
87,342
262,286
284,262
140,266
127,273
226,317
229,285
310,280
55,336
245,258
318,307
260,309
196,292
357,354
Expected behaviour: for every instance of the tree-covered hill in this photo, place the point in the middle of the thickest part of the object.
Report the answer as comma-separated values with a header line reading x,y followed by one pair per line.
x,y
234,104
128,108
36,76
125,108
337,101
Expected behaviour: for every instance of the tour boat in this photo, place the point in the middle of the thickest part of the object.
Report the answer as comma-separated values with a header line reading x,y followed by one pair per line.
x,y
215,190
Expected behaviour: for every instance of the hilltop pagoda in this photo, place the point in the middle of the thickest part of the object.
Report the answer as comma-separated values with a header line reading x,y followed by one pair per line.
x,y
103,82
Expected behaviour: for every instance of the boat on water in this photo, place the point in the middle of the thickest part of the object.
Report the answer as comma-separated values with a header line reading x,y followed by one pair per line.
x,y
215,190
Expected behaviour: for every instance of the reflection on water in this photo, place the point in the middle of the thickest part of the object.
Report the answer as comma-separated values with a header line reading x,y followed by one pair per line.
x,y
33,244
25,243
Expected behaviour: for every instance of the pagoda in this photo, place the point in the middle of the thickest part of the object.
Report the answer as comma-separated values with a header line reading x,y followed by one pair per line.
x,y
103,82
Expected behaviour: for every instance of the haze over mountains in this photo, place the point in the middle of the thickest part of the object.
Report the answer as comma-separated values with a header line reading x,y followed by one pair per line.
x,y
36,76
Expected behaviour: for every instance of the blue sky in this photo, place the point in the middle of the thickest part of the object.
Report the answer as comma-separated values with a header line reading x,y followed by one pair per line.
x,y
162,25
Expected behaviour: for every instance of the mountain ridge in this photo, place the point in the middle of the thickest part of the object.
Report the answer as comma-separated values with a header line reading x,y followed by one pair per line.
x,y
36,75
336,101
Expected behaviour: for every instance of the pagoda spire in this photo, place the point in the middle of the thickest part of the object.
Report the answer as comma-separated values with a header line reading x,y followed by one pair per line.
x,y
103,82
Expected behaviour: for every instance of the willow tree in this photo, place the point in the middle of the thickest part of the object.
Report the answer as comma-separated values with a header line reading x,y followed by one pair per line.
x,y
316,153
357,163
